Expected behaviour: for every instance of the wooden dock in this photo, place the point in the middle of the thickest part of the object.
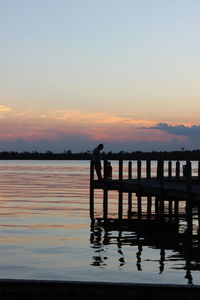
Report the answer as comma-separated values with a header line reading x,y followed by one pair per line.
x,y
168,187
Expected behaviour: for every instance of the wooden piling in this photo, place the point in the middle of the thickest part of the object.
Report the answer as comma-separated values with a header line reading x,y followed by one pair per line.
x,y
120,193
148,169
170,210
120,205
139,207
176,210
91,190
129,204
157,204
105,203
199,169
189,199
130,170
177,170
139,170
120,170
160,176
170,169
105,169
105,192
130,193
139,198
149,205
198,231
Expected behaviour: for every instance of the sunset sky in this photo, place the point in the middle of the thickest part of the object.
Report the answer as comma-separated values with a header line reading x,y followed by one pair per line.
x,y
78,72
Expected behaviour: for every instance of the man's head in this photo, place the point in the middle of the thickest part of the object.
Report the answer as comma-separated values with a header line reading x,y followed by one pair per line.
x,y
100,147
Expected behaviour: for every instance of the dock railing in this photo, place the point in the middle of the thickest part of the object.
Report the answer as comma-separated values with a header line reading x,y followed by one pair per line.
x,y
165,169
132,176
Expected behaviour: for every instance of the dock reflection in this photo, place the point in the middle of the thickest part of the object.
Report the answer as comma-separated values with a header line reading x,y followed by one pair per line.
x,y
184,249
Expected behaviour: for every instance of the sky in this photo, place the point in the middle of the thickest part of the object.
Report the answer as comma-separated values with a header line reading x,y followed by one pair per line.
x,y
76,73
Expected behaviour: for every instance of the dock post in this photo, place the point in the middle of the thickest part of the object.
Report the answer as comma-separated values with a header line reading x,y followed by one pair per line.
x,y
149,205
169,169
198,231
148,169
139,171
149,200
105,173
157,204
120,200
189,200
105,192
120,170
177,170
130,170
170,210
199,169
139,198
160,175
91,190
176,210
130,193
120,205
139,207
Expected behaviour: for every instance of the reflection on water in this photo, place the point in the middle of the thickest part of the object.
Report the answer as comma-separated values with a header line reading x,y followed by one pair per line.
x,y
43,217
174,251
45,232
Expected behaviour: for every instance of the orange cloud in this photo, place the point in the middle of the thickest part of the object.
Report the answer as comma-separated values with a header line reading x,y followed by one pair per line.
x,y
4,108
23,113
95,125
78,117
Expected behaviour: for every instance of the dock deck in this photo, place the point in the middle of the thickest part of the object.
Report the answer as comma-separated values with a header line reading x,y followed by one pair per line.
x,y
175,189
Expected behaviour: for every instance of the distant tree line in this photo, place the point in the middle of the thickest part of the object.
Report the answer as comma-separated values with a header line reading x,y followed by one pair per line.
x,y
69,155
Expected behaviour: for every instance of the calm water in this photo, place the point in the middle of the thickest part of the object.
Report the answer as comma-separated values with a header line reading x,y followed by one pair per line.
x,y
45,231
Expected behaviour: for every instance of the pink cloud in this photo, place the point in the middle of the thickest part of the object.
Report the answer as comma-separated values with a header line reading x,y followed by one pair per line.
x,y
61,127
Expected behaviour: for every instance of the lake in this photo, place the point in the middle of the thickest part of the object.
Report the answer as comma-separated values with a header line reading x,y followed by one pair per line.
x,y
46,233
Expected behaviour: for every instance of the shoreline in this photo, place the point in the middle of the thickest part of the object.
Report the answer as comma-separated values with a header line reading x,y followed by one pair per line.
x,y
10,288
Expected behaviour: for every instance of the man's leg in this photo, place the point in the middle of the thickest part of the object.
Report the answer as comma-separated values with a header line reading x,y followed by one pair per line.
x,y
98,171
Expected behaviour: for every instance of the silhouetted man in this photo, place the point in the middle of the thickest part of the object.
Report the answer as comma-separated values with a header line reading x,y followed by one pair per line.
x,y
96,159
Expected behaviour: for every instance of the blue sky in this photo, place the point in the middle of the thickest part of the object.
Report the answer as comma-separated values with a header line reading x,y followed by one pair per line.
x,y
99,70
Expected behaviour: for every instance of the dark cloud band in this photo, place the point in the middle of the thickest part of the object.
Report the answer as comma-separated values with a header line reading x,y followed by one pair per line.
x,y
177,129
